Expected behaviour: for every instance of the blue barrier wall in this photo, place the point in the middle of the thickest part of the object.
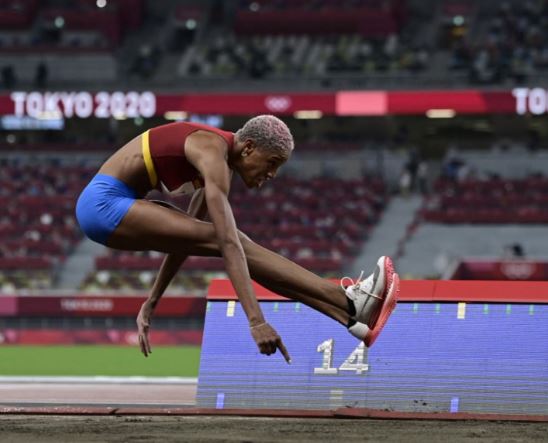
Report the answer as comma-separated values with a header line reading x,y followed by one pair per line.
x,y
431,357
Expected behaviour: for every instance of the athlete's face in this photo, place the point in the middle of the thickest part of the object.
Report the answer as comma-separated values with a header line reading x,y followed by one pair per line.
x,y
259,165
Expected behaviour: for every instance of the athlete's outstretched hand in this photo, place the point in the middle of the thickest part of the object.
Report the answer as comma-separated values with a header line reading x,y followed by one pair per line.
x,y
143,325
268,340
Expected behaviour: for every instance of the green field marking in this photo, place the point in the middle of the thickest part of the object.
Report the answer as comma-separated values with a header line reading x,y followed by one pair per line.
x,y
508,309
531,309
89,360
486,309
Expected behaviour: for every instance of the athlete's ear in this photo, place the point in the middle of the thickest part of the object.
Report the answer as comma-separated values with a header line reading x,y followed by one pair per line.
x,y
249,147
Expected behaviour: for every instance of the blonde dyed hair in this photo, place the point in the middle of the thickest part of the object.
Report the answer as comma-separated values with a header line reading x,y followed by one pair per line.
x,y
269,133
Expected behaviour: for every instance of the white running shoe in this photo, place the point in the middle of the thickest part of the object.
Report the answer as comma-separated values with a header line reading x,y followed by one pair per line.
x,y
368,295
374,299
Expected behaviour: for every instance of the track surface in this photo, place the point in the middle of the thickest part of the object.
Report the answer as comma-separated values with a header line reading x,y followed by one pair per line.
x,y
142,399
75,429
97,394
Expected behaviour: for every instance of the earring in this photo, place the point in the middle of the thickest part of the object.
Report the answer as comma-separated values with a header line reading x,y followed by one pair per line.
x,y
244,154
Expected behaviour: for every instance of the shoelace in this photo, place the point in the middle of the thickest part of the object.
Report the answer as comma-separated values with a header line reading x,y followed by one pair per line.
x,y
355,284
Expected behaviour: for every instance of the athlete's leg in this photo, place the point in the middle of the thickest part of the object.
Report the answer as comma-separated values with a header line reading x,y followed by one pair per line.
x,y
286,278
148,226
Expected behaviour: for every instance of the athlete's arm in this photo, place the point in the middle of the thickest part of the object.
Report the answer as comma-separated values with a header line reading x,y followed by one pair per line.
x,y
171,264
208,153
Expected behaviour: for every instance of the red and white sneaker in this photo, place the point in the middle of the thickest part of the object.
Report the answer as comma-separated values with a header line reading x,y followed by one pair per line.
x,y
374,299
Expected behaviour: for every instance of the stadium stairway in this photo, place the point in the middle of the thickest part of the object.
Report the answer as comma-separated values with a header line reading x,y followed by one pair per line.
x,y
387,233
79,264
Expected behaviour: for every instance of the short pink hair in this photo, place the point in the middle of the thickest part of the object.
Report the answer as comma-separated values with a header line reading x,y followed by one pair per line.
x,y
268,132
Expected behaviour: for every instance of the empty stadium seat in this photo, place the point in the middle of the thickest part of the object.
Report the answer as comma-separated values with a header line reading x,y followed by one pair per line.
x,y
37,226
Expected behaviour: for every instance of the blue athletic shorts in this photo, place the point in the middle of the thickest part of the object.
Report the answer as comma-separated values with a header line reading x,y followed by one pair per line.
x,y
102,205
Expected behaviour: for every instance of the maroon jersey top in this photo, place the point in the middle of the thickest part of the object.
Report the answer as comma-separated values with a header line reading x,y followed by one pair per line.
x,y
165,159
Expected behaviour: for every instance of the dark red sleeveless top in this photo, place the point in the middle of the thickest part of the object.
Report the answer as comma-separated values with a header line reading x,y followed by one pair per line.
x,y
165,160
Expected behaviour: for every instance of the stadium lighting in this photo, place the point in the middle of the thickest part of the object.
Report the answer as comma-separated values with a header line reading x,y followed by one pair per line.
x,y
101,3
308,114
49,115
59,22
175,115
458,20
441,113
191,24
254,7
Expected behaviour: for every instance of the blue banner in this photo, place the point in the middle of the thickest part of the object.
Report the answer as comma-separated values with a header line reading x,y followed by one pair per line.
x,y
431,357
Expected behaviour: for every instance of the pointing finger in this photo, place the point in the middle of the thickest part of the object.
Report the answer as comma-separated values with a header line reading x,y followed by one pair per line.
x,y
284,352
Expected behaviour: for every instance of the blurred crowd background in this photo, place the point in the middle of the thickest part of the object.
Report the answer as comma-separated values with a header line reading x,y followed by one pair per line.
x,y
443,196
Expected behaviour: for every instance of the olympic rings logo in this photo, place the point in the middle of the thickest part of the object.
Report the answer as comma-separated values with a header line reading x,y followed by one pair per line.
x,y
278,103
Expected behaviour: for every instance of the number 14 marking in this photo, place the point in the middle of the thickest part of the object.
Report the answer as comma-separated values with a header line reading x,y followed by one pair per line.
x,y
354,362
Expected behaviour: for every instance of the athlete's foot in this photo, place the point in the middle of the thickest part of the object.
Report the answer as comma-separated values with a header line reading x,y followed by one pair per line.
x,y
367,296
373,300
370,334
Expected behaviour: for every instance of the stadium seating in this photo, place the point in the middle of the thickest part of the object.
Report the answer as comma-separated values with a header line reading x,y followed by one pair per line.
x,y
63,41
369,18
314,38
278,55
509,42
17,14
489,201
185,282
349,42
53,18
483,203
37,225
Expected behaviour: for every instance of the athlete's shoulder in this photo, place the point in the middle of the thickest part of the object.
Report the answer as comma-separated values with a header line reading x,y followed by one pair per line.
x,y
213,129
205,142
191,134
215,135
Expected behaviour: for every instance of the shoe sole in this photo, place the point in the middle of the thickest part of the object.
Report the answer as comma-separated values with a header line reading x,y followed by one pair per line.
x,y
390,301
385,271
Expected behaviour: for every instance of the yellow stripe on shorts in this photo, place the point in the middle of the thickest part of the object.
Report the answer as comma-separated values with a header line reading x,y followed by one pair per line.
x,y
148,160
